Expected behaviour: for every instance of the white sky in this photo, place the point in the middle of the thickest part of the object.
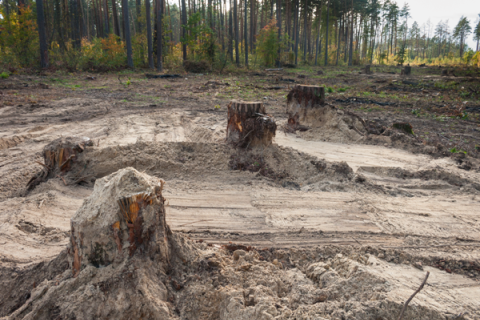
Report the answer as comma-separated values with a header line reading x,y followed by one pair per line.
x,y
436,10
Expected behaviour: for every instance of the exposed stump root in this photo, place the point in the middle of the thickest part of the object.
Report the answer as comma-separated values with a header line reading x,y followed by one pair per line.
x,y
120,252
59,157
307,110
249,125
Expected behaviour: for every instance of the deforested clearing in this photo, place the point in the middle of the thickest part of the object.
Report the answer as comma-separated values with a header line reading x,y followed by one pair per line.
x,y
256,160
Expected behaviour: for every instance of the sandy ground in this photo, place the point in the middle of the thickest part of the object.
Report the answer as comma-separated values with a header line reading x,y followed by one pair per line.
x,y
410,203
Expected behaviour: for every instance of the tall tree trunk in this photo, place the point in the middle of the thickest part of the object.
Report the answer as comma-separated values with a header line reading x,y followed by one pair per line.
x,y
326,33
159,35
222,27
107,25
138,7
42,35
342,22
317,50
184,31
116,26
297,31
305,18
271,9
246,34
235,16
279,26
128,38
350,54
230,31
252,22
149,35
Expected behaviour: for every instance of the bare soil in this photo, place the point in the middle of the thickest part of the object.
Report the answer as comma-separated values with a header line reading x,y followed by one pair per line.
x,y
319,225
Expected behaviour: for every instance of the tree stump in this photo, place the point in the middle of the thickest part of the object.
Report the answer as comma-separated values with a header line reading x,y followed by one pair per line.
x,y
302,101
59,157
249,125
406,71
367,69
124,216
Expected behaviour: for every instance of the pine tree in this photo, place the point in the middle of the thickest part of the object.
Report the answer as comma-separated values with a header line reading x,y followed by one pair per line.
x,y
461,31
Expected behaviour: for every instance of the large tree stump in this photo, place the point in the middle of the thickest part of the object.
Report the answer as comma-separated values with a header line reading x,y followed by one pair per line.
x,y
302,102
406,71
249,125
307,110
124,215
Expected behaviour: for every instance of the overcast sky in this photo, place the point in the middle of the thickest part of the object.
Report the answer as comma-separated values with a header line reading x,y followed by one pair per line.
x,y
436,10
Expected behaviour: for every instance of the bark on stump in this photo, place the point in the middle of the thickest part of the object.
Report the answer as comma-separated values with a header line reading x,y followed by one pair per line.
x,y
124,215
249,125
59,157
367,69
303,102
406,71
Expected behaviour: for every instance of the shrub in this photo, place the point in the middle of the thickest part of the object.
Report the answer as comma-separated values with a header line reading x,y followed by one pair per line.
x,y
4,75
20,38
268,44
196,66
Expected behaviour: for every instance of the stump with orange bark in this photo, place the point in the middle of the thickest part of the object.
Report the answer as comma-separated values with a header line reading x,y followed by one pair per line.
x,y
59,156
249,125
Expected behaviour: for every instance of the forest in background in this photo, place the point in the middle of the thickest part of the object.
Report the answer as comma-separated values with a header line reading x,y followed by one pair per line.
x,y
105,35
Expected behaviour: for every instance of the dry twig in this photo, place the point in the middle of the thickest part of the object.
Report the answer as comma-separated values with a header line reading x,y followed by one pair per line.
x,y
413,295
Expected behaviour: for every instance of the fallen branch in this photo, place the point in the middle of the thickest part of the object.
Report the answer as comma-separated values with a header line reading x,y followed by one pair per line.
x,y
413,295
65,182
276,69
162,76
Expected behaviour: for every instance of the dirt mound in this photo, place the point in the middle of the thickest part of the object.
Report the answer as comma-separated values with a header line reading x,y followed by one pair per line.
x,y
291,168
181,160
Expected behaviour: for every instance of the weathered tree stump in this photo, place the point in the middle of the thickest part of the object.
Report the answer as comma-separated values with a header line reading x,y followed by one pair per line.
x,y
406,71
302,101
124,215
367,69
59,157
249,125
307,110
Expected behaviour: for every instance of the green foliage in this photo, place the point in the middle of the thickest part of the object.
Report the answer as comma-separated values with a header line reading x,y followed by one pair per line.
x,y
200,39
330,90
381,58
4,75
19,38
455,150
268,44
468,56
401,55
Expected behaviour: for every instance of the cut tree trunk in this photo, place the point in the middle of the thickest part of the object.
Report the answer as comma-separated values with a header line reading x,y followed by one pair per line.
x,y
306,109
302,100
249,125
406,71
367,69
59,156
